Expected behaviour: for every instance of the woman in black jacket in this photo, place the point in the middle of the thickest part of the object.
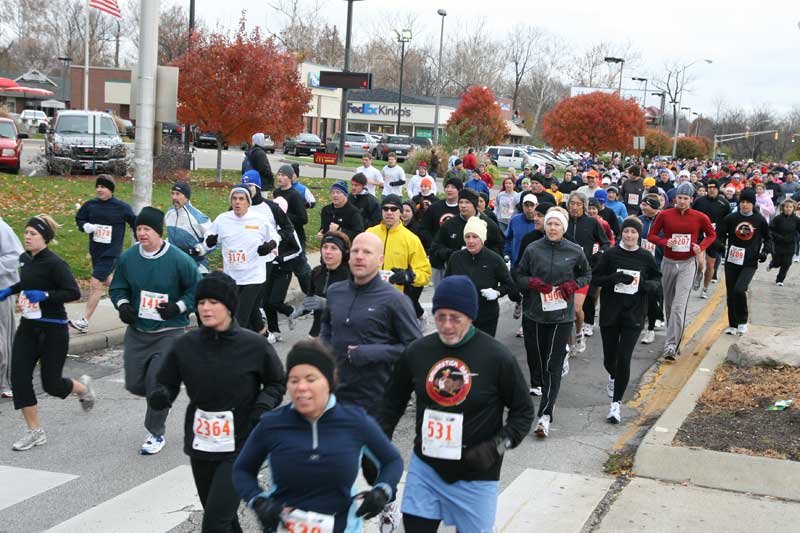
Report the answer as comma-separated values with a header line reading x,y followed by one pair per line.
x,y
334,251
45,284
232,376
488,272
784,229
628,275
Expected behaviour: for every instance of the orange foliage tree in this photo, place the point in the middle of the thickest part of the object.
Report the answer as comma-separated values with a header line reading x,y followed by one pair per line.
x,y
235,86
690,147
478,119
594,122
657,143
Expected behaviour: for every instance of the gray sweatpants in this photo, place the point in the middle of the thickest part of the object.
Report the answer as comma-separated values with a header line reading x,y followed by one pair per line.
x,y
144,352
676,279
437,275
7,328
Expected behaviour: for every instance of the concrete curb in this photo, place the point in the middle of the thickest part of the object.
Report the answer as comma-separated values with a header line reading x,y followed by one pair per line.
x,y
657,458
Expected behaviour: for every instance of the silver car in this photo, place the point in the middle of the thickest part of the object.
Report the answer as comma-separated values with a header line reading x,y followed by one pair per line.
x,y
356,144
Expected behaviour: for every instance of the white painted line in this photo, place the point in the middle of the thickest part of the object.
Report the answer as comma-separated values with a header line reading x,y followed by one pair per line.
x,y
544,501
155,506
659,429
19,484
704,369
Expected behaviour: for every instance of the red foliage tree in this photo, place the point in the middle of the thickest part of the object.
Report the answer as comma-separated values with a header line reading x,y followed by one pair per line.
x,y
594,122
478,118
240,85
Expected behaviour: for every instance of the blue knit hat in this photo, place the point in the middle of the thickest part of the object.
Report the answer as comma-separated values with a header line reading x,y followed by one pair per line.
x,y
251,177
457,293
341,186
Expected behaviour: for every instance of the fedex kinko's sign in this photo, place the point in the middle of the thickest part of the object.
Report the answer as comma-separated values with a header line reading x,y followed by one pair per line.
x,y
378,109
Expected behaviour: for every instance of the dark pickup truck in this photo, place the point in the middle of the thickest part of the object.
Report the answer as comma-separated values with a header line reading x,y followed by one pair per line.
x,y
399,144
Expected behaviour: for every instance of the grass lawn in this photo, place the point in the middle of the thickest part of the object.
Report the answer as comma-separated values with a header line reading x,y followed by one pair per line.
x,y
23,197
349,162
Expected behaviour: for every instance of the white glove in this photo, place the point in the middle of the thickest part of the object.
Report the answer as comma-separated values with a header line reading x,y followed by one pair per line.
x,y
314,303
89,228
490,294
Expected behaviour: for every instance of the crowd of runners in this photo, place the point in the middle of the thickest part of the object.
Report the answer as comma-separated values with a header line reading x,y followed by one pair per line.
x,y
633,239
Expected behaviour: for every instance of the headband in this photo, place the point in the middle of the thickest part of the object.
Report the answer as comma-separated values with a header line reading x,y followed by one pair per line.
x,y
557,215
42,227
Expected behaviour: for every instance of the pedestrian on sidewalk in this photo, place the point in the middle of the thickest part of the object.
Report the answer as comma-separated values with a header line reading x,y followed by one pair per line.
x,y
678,230
628,276
334,254
747,236
10,250
153,291
785,230
186,225
45,285
232,377
470,391
256,159
104,218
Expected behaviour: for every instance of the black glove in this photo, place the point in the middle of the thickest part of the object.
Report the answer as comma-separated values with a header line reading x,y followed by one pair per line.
x,y
268,512
402,277
481,457
374,502
158,399
195,251
267,247
127,313
211,240
762,258
168,310
621,277
397,183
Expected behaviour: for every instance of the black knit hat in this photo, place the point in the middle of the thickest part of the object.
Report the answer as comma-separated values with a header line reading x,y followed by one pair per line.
x,y
632,222
457,293
748,194
296,168
313,353
543,207
221,287
468,194
152,218
455,182
183,188
106,180
391,199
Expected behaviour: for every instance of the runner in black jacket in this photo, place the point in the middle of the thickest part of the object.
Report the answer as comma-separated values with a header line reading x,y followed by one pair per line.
x,y
716,208
785,229
333,267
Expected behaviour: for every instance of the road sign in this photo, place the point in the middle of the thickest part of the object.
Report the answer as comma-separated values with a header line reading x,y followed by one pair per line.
x,y
345,80
638,143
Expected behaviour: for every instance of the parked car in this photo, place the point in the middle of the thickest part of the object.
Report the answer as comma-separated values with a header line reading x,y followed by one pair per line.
x,y
171,130
305,143
399,144
269,144
422,142
355,144
85,141
10,145
208,140
34,119
508,156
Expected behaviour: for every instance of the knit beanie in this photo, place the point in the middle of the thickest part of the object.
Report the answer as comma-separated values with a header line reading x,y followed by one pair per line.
x,y
391,199
748,194
648,182
594,202
422,164
251,177
340,186
601,195
457,293
468,194
426,182
685,189
632,222
152,218
183,188
106,181
410,204
543,208
242,190
477,226
221,287
286,170
315,354
455,182
296,168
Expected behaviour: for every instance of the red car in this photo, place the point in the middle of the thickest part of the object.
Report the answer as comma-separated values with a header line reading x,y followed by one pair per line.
x,y
10,146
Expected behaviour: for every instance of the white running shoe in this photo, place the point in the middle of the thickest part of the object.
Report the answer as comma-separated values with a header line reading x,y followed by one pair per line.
x,y
536,391
613,413
32,437
649,337
580,343
82,325
390,518
659,324
588,329
714,279
779,284
565,367
729,331
796,259
543,427
152,445
88,398
704,294
6,394
610,387
741,329
272,338
520,333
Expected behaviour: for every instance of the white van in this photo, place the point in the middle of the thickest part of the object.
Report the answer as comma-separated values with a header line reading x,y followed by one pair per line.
x,y
507,156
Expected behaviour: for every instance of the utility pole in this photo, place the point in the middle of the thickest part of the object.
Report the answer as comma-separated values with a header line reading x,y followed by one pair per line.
x,y
343,109
186,127
145,104
442,13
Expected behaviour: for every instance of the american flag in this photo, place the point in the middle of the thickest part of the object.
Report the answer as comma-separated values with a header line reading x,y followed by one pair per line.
x,y
108,6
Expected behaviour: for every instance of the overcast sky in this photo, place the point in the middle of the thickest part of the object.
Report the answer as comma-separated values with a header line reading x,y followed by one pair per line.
x,y
755,49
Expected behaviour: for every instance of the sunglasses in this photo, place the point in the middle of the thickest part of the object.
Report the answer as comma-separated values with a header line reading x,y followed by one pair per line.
x,y
390,208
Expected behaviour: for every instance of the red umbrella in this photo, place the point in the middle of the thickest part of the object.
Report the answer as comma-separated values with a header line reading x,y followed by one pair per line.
x,y
6,82
28,90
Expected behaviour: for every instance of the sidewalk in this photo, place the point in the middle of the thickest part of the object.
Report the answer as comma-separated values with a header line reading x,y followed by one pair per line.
x,y
107,330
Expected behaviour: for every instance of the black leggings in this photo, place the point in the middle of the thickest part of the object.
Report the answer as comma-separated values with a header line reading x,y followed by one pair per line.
x,y
275,291
737,280
782,260
417,524
655,308
247,314
220,500
549,346
589,306
618,345
42,342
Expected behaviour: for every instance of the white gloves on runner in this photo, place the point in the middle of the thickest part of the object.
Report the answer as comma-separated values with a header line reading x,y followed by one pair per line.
x,y
314,303
490,294
89,227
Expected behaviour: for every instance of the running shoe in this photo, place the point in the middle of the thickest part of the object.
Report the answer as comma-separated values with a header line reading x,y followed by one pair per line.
x,y
32,437
580,343
517,310
704,294
152,445
613,413
272,338
698,280
536,391
796,259
714,279
670,354
82,325
660,324
730,330
588,329
649,337
520,333
390,518
779,283
543,427
88,398
610,387
565,367
741,329
6,394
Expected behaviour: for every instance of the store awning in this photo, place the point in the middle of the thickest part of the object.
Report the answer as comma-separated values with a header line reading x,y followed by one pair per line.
x,y
53,104
516,131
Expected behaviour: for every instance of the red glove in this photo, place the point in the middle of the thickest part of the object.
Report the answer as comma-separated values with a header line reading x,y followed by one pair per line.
x,y
568,288
539,285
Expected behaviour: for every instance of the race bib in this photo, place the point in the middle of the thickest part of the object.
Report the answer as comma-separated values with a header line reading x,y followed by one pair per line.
x,y
441,434
237,259
102,234
633,199
649,246
213,431
735,255
682,242
306,522
552,301
148,302
30,310
629,288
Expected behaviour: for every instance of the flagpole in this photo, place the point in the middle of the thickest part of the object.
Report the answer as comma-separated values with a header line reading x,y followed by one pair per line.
x,y
86,62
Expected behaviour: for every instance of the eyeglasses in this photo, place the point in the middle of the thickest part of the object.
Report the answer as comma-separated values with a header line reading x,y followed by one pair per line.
x,y
444,318
390,208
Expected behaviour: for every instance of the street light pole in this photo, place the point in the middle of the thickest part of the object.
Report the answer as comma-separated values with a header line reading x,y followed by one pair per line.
x,y
191,32
403,37
621,65
680,99
343,108
443,14
644,99
689,114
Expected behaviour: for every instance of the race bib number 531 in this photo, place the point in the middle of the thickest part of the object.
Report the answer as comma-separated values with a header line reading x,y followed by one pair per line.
x,y
441,434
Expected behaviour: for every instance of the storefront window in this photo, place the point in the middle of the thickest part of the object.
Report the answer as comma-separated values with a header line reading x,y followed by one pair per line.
x,y
358,126
381,128
406,130
424,132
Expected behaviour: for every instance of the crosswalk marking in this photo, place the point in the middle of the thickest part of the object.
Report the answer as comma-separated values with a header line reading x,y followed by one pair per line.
x,y
157,505
19,484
